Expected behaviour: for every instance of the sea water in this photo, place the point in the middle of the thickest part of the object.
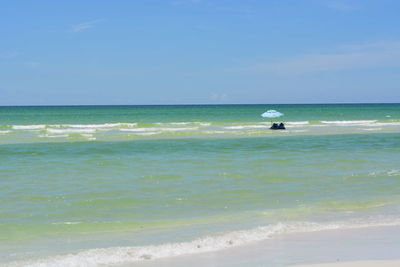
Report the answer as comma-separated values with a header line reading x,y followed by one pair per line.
x,y
106,185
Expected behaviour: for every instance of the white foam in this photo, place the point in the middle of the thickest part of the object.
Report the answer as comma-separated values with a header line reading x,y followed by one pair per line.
x,y
183,123
166,129
28,127
5,132
297,123
393,173
105,125
125,255
61,131
240,127
372,129
214,132
178,129
54,136
138,130
173,123
350,122
67,223
386,124
88,136
148,133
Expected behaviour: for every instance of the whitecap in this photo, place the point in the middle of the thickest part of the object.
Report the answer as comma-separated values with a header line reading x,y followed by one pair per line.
x,y
71,130
214,132
386,124
393,173
28,127
105,125
240,127
148,133
372,129
178,129
350,122
297,123
53,136
137,130
183,123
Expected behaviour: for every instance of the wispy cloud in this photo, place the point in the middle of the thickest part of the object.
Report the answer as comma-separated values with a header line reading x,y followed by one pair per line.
x,y
85,25
347,57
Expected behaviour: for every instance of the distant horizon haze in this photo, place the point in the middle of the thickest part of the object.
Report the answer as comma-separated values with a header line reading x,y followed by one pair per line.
x,y
208,104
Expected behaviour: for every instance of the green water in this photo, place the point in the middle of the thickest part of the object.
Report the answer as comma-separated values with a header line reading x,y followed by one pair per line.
x,y
76,178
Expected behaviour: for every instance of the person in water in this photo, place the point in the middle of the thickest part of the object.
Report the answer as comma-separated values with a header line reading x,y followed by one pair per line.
x,y
275,126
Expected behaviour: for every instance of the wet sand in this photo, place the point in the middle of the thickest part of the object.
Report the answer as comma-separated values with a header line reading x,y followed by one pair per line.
x,y
374,246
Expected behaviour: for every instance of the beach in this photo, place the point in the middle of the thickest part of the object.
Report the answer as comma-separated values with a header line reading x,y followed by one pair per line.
x,y
199,185
375,246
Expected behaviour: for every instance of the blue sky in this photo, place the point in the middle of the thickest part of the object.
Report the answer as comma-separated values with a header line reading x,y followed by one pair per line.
x,y
199,51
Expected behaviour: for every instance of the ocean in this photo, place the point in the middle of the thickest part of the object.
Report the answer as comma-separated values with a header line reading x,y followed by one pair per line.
x,y
113,185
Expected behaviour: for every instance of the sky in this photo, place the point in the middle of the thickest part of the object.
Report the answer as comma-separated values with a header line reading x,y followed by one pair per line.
x,y
98,52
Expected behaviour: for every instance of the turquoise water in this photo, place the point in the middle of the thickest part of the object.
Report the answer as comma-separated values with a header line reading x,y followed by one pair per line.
x,y
126,178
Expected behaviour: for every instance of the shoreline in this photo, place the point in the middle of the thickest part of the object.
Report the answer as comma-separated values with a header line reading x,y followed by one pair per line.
x,y
327,248
371,263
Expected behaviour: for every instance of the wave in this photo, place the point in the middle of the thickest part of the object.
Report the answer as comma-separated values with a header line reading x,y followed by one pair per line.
x,y
97,126
191,123
239,127
129,130
297,123
61,131
350,122
387,124
53,136
125,255
160,129
28,127
148,133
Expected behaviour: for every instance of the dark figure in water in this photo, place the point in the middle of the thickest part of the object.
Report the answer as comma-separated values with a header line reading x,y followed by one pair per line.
x,y
275,126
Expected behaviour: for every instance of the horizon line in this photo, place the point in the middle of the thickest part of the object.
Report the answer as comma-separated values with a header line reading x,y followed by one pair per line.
x,y
209,104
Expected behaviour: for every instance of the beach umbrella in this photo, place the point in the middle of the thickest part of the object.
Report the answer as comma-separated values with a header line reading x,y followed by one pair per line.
x,y
271,114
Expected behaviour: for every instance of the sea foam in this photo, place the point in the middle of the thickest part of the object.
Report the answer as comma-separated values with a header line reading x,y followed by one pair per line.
x,y
28,127
61,131
349,122
125,255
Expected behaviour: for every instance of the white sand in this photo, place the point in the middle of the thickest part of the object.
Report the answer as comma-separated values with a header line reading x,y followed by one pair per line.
x,y
335,248
382,263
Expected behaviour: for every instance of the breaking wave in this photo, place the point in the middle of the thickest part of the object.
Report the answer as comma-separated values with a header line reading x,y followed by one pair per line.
x,y
126,130
123,255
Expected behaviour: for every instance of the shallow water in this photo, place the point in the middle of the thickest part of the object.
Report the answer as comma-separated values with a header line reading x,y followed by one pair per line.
x,y
78,178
